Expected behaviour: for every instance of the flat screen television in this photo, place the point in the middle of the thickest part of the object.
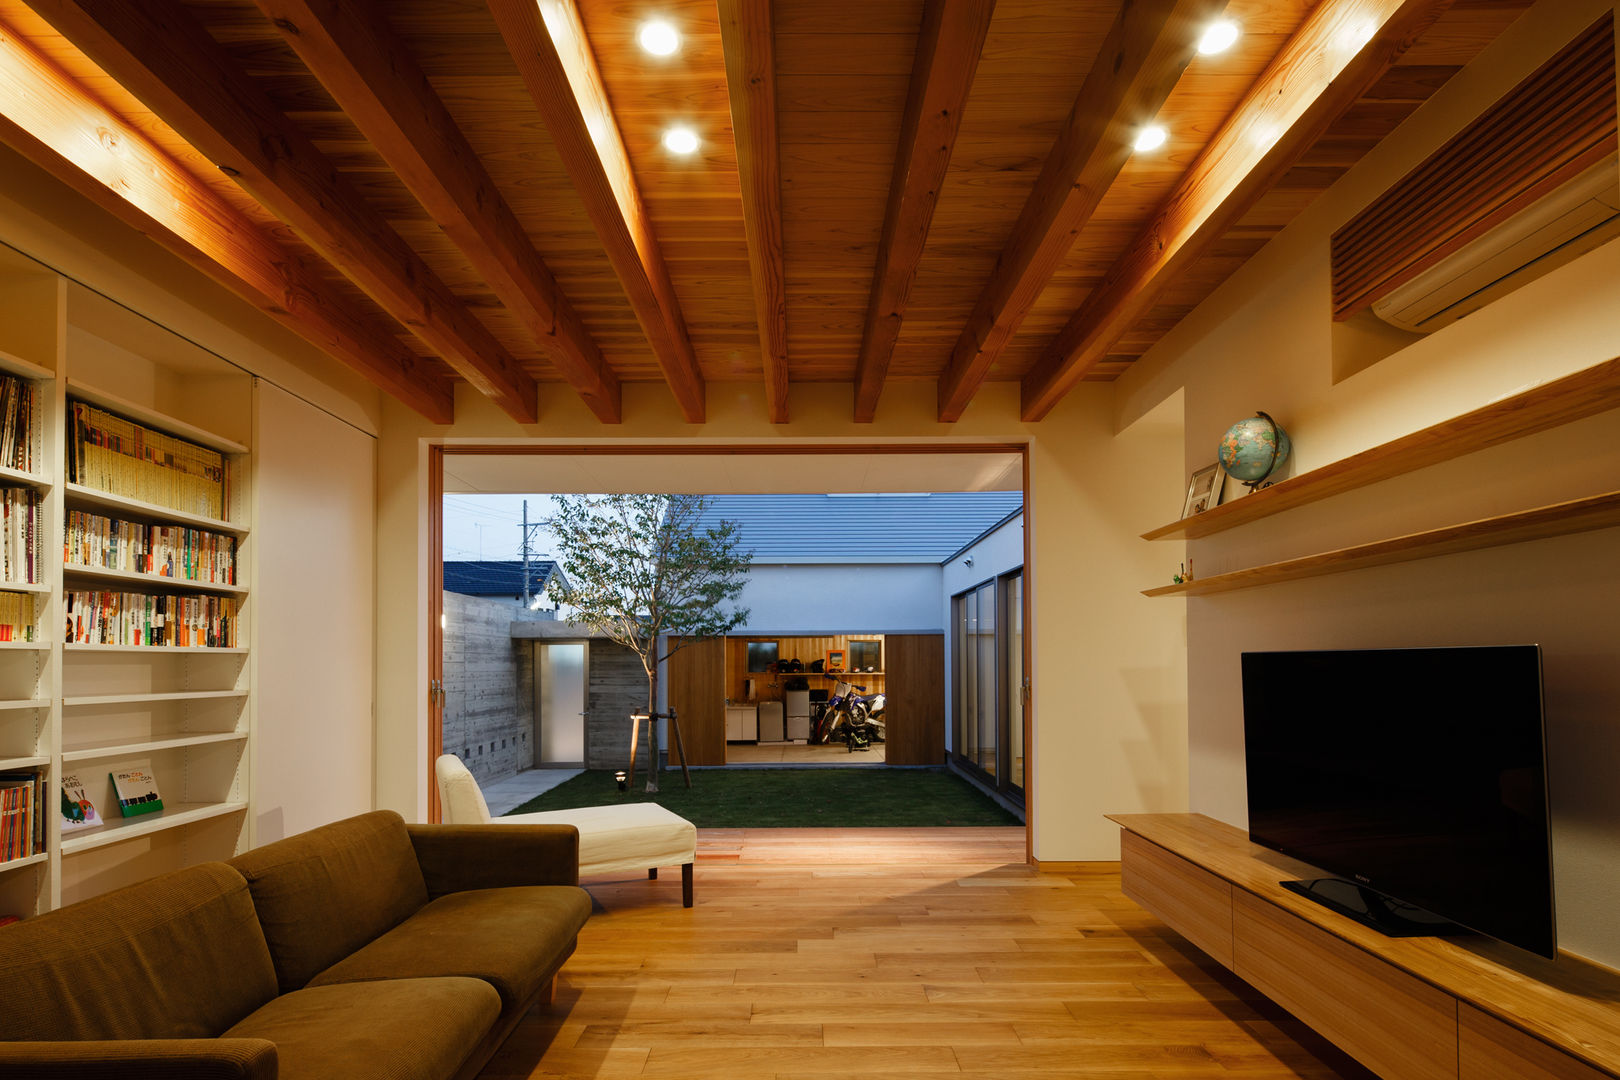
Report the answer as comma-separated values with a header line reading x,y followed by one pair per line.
x,y
1416,775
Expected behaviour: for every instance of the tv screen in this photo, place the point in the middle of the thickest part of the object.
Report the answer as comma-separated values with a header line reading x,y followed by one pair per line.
x,y
1420,773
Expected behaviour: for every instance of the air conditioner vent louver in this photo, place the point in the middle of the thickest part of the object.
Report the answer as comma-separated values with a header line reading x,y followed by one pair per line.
x,y
1529,183
1571,221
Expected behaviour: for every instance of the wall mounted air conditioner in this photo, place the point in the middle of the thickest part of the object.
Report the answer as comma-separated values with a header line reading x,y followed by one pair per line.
x,y
1570,221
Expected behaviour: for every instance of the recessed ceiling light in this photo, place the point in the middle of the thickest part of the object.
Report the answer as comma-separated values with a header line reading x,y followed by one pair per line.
x,y
659,38
1218,37
680,140
1150,138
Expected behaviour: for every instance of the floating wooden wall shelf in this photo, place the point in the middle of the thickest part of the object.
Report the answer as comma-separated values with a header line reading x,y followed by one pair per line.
x,y
1585,393
1559,519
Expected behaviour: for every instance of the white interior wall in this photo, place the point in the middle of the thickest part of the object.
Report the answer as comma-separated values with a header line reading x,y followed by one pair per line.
x,y
314,541
1109,683
1264,341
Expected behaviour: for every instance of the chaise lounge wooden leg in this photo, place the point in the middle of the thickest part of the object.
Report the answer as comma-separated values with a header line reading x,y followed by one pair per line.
x,y
686,885
652,873
548,993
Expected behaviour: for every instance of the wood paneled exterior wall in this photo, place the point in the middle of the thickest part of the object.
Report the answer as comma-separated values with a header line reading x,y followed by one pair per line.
x,y
697,676
916,709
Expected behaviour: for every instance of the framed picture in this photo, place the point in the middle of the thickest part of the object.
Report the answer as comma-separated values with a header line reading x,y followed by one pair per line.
x,y
835,660
1204,490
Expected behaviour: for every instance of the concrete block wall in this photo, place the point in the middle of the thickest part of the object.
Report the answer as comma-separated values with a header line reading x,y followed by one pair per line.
x,y
488,688
618,687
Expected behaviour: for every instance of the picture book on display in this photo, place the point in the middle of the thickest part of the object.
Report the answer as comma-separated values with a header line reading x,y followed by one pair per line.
x,y
137,791
78,812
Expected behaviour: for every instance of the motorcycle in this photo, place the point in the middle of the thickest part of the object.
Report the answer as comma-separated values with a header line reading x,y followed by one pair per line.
x,y
856,718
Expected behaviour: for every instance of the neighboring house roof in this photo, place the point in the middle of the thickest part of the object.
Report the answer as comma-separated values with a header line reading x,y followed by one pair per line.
x,y
862,528
503,578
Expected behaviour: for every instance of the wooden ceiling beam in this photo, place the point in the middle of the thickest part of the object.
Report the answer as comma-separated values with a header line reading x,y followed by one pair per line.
x,y
164,57
1342,49
349,47
51,120
1139,64
547,41
948,49
748,42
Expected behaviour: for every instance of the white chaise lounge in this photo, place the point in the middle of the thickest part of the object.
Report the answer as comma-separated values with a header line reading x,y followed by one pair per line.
x,y
612,839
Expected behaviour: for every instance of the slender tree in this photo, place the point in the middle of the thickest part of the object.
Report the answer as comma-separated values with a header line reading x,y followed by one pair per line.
x,y
645,573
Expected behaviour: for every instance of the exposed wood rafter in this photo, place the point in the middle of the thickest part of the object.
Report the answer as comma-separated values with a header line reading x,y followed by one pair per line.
x,y
747,38
948,49
1148,48
164,57
46,115
1343,48
547,41
348,45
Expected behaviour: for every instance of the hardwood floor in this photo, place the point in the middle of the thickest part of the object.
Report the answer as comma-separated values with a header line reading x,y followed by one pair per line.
x,y
899,952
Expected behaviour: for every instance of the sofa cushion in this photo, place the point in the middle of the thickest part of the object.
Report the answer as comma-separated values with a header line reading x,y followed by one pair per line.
x,y
177,956
514,939
324,893
412,1029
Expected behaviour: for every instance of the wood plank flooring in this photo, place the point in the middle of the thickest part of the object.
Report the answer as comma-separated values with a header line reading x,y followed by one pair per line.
x,y
896,952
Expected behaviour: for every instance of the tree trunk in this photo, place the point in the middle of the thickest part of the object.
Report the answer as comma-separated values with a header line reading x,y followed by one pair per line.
x,y
652,731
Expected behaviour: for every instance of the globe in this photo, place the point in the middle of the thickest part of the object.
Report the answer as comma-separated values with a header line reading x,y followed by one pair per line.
x,y
1253,449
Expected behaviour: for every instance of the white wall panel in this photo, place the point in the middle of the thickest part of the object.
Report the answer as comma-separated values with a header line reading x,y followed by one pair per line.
x,y
314,600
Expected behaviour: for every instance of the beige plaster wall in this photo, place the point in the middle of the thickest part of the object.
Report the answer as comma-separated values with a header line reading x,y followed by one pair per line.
x,y
1109,699
1264,342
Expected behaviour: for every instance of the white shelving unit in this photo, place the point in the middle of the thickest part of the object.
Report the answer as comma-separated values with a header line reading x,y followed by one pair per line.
x,y
88,709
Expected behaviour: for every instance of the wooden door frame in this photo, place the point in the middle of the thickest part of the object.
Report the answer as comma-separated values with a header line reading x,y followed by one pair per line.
x,y
438,450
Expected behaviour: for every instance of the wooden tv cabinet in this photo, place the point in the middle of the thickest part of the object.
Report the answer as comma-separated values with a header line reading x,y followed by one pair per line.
x,y
1464,1008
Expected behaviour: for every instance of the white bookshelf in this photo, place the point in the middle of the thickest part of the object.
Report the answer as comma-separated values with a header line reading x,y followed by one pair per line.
x,y
204,650
150,746
133,699
81,497
10,477
137,581
173,816
88,709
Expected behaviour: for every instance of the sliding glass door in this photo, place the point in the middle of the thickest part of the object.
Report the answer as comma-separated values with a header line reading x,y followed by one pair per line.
x,y
987,654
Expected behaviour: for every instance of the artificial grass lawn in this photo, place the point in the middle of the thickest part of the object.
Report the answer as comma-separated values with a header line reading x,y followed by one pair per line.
x,y
793,798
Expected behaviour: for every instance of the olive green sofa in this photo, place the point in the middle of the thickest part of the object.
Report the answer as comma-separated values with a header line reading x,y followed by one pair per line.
x,y
368,948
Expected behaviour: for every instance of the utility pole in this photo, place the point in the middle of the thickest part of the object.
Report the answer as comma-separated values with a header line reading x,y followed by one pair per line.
x,y
526,598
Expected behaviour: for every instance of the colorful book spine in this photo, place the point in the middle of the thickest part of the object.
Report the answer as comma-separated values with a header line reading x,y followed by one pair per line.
x,y
19,533
119,456
169,551
119,618
22,820
19,411
17,617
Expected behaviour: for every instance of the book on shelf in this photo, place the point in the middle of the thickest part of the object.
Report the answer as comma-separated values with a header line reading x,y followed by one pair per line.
x,y
137,791
19,415
22,826
114,454
78,812
17,617
168,551
19,535
121,618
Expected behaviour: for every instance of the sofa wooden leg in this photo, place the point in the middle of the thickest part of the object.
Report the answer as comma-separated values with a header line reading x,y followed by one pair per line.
x,y
548,993
652,873
686,885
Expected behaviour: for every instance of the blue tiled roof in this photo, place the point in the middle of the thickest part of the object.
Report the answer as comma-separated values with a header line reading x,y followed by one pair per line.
x,y
862,528
504,578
